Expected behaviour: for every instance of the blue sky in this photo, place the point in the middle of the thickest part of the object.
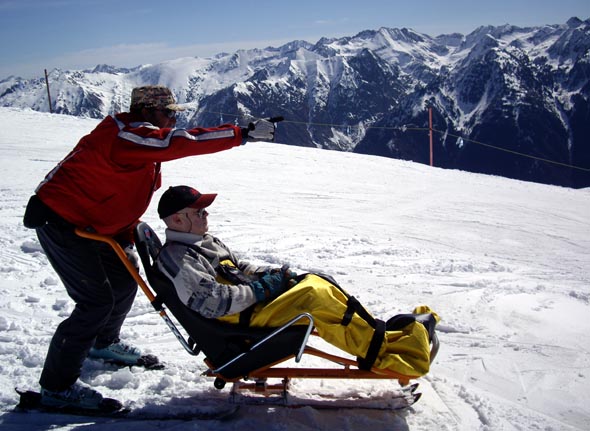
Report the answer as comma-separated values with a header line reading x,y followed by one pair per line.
x,y
78,34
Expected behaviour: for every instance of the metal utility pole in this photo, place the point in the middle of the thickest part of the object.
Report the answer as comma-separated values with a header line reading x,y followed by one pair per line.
x,y
430,129
48,94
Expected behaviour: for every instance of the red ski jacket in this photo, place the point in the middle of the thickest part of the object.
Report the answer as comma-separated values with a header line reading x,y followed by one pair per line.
x,y
107,181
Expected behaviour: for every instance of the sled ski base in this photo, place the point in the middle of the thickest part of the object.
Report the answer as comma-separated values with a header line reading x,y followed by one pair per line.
x,y
347,369
261,388
261,392
30,401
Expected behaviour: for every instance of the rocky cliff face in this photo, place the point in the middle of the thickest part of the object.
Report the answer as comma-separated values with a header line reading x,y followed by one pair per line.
x,y
506,100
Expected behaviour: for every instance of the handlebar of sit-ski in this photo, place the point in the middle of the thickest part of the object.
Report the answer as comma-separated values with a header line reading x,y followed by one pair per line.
x,y
142,284
123,257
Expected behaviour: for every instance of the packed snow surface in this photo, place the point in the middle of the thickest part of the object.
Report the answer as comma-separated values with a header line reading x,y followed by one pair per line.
x,y
505,263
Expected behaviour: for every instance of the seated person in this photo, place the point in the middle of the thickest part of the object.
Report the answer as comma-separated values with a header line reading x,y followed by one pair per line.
x,y
210,279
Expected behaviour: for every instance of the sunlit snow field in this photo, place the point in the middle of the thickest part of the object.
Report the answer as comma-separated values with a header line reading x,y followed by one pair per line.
x,y
505,263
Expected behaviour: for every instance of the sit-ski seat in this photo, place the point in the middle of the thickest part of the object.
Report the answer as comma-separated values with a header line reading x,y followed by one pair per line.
x,y
228,347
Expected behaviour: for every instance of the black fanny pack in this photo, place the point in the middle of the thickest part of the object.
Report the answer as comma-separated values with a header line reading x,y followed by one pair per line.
x,y
37,214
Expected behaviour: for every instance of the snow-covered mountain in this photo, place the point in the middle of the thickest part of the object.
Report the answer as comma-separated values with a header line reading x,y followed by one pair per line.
x,y
506,100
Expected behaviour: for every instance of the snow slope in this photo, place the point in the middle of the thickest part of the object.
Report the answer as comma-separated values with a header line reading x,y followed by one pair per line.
x,y
505,263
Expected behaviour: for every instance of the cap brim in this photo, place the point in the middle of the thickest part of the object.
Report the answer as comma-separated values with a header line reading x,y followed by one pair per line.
x,y
175,107
204,201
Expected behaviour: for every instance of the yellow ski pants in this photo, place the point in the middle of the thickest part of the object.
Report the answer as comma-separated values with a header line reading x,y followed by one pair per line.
x,y
405,351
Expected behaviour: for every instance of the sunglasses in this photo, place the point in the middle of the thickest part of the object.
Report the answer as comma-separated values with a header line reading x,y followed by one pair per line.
x,y
201,213
167,112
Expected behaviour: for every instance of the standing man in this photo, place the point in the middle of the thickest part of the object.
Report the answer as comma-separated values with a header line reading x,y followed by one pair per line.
x,y
104,185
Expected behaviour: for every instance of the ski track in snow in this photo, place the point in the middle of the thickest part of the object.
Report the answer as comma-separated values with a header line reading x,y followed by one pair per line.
x,y
505,263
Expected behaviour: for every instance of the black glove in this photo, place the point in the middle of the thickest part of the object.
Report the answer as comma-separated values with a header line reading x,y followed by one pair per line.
x,y
269,286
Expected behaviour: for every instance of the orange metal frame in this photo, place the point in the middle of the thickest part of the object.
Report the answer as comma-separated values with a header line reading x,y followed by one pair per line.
x,y
348,370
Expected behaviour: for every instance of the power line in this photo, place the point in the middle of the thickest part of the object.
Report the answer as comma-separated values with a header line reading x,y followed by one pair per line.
x,y
515,152
414,129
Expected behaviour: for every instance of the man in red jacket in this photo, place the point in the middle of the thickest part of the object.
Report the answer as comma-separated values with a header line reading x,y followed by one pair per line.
x,y
104,185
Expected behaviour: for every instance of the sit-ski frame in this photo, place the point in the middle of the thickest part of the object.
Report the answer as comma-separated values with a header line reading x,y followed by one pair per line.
x,y
348,368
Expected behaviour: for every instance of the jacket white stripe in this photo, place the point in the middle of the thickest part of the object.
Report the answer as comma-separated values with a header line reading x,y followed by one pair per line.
x,y
164,143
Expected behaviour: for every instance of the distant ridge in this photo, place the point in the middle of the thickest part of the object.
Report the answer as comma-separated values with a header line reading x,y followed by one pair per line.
x,y
524,90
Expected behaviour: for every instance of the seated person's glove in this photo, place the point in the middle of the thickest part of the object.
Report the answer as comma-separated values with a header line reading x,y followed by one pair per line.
x,y
261,130
288,275
269,286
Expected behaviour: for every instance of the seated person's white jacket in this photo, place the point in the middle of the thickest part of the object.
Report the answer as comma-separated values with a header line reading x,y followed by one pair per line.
x,y
194,274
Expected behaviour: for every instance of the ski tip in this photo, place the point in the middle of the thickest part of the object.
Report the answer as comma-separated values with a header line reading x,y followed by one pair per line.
x,y
28,399
24,391
150,362
416,397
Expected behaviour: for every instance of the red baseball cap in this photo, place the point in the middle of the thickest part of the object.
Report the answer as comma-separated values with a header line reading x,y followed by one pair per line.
x,y
179,197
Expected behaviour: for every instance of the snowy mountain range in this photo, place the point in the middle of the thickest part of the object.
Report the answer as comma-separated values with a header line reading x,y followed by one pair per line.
x,y
505,100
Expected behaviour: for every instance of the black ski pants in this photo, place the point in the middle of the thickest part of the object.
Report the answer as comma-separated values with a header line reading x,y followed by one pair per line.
x,y
103,291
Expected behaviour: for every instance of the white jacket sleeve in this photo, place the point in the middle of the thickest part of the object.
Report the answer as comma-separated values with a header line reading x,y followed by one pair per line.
x,y
195,281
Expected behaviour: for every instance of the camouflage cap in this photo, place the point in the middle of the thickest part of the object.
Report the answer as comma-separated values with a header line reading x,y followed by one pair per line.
x,y
154,96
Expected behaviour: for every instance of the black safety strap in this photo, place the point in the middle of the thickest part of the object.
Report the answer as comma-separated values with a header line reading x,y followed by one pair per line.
x,y
351,306
354,306
367,362
233,274
246,315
